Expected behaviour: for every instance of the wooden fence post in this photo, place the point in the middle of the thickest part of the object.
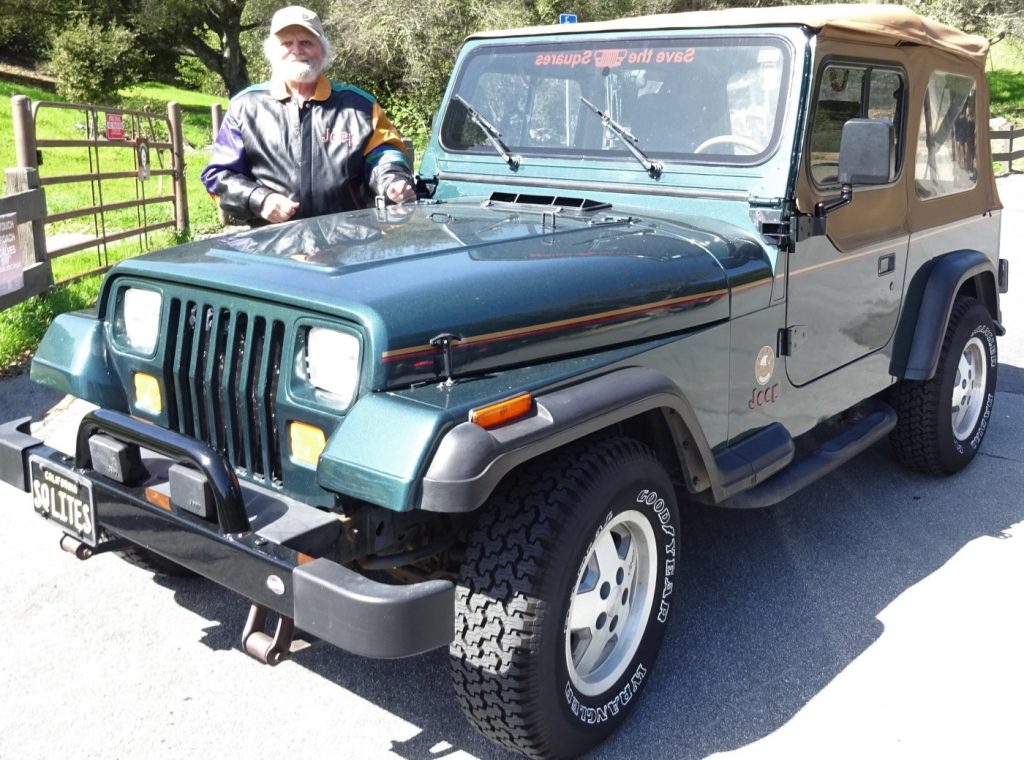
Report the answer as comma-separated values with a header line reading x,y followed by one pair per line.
x,y
217,117
178,163
24,132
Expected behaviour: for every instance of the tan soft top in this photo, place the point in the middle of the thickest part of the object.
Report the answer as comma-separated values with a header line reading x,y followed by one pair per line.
x,y
878,24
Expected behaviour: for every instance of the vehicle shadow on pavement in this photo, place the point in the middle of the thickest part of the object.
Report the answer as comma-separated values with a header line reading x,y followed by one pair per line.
x,y
769,607
20,397
774,604
1010,379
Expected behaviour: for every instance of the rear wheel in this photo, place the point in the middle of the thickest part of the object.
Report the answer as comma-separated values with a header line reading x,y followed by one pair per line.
x,y
564,597
942,421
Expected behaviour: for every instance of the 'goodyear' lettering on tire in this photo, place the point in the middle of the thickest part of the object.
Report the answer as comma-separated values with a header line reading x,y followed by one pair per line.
x,y
652,499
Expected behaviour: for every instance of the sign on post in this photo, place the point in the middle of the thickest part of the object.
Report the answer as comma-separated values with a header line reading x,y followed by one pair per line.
x,y
142,152
115,126
11,275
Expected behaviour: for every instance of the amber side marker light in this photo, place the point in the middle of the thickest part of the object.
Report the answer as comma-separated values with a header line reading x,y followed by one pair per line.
x,y
492,415
147,393
308,441
158,499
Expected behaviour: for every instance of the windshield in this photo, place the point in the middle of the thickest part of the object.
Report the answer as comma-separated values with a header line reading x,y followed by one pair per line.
x,y
704,100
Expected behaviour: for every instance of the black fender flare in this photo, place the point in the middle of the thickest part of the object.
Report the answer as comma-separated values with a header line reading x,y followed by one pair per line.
x,y
928,304
470,461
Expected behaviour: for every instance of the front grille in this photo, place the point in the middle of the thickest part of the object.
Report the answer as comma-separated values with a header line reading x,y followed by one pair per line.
x,y
224,366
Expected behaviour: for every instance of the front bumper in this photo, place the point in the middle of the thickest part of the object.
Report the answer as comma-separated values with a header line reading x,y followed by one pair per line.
x,y
254,543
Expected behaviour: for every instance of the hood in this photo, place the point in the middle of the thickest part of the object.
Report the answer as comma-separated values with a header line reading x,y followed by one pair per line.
x,y
512,286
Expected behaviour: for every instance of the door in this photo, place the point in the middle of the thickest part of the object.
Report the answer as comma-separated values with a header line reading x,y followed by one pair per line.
x,y
844,287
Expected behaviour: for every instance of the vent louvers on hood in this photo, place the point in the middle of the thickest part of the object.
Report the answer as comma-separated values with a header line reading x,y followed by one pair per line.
x,y
546,202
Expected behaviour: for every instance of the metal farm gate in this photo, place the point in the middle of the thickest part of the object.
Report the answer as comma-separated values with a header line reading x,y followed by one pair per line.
x,y
130,160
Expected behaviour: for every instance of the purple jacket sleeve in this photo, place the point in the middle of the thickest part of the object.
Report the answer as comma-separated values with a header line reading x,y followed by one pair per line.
x,y
228,176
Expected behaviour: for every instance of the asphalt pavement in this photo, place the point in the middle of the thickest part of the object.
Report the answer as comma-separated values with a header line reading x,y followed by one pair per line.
x,y
878,613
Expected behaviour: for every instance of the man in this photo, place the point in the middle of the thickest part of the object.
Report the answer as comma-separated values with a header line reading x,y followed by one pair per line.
x,y
299,145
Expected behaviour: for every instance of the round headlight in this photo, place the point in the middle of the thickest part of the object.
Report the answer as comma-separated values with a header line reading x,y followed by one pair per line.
x,y
332,363
140,318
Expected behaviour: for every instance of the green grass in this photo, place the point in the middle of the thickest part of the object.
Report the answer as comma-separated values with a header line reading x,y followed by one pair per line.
x,y
22,326
1006,54
1006,81
155,92
1007,92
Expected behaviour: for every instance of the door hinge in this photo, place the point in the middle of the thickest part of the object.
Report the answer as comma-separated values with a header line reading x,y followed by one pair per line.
x,y
804,227
790,338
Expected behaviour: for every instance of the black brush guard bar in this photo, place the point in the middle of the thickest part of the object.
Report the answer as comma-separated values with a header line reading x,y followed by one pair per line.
x,y
325,599
227,493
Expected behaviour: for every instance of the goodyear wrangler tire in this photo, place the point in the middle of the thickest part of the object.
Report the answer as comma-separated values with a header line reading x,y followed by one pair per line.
x,y
564,597
942,421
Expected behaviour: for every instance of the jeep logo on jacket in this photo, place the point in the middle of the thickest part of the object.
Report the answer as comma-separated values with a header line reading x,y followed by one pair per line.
x,y
327,154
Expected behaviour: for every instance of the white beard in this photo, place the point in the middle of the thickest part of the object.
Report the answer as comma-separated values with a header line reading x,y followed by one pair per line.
x,y
296,71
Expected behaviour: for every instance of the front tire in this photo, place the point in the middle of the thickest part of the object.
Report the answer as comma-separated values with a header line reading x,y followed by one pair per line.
x,y
564,597
942,421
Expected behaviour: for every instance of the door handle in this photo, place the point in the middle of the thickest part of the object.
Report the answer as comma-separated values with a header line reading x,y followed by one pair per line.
x,y
886,264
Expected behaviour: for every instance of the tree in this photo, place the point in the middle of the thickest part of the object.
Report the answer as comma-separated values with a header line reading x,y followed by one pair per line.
x,y
91,73
210,30
28,27
988,17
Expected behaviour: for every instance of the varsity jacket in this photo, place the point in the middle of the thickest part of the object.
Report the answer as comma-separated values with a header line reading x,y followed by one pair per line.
x,y
329,155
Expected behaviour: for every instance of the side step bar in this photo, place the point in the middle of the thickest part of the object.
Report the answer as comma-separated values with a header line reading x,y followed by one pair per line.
x,y
862,434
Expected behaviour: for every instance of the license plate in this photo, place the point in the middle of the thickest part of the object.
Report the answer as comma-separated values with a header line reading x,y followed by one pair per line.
x,y
65,498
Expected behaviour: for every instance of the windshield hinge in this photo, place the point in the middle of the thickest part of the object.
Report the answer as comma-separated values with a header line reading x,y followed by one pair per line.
x,y
773,226
758,202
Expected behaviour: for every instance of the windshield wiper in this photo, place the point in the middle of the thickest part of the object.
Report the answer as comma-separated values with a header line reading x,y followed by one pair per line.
x,y
654,168
489,130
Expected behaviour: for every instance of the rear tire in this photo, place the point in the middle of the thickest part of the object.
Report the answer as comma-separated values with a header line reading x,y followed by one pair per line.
x,y
942,421
564,597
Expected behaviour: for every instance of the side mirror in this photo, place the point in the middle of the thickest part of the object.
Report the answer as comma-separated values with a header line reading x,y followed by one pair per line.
x,y
866,152
866,157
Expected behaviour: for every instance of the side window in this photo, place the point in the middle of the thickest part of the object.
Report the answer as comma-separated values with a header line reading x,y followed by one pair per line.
x,y
849,91
947,160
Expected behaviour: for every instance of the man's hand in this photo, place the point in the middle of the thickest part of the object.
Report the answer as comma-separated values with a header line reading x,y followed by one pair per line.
x,y
401,192
277,208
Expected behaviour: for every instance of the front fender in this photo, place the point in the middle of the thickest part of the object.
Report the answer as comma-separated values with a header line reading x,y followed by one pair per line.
x,y
378,450
470,461
72,358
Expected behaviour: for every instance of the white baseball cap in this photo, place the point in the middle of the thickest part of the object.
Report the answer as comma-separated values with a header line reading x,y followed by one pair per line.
x,y
296,15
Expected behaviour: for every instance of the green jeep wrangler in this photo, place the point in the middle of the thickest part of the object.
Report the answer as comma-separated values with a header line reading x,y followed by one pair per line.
x,y
703,257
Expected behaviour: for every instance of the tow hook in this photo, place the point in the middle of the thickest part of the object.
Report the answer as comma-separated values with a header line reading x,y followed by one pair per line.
x,y
259,644
84,551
